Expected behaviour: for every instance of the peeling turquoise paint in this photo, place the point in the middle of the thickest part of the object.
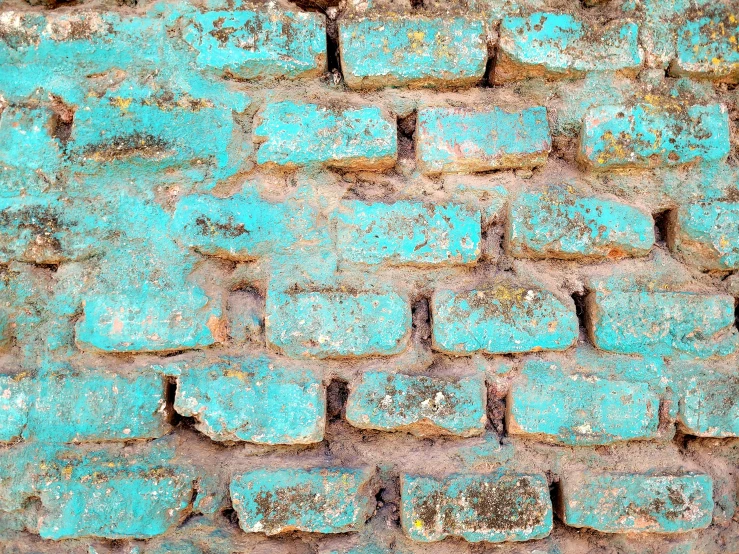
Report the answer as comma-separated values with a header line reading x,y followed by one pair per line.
x,y
336,324
294,135
561,45
707,235
412,51
250,45
503,318
587,411
708,47
455,140
27,150
15,398
321,500
253,399
680,324
421,405
556,223
623,503
469,506
407,233
651,136
708,402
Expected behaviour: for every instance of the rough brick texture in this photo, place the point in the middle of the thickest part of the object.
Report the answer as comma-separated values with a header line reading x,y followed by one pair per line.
x,y
369,276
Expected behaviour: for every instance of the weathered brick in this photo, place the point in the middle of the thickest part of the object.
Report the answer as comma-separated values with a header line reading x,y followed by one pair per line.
x,y
294,135
706,234
96,406
252,399
456,140
249,45
663,323
322,500
502,318
15,398
335,324
497,507
27,148
558,224
623,503
575,409
708,47
407,233
709,404
149,322
240,227
420,405
412,50
557,45
649,136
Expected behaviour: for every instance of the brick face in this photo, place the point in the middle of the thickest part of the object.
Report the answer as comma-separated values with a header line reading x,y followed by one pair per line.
x,y
368,277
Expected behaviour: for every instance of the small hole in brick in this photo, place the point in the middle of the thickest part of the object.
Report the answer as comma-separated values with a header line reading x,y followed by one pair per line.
x,y
332,48
406,134
230,515
417,4
336,394
489,68
661,227
51,267
170,392
581,311
496,413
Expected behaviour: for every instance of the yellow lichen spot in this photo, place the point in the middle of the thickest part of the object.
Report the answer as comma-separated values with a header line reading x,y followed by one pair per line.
x,y
67,472
732,19
732,39
418,524
716,61
122,103
723,242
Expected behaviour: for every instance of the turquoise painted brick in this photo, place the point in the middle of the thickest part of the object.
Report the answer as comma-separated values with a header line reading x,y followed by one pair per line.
x,y
240,227
46,230
412,51
322,500
497,507
417,404
555,45
334,324
96,406
709,404
706,234
626,503
27,149
456,140
663,323
502,318
149,321
407,233
15,398
648,136
254,400
107,495
293,135
708,47
571,408
250,45
556,223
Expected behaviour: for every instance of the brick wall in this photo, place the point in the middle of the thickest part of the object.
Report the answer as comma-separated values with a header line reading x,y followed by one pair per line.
x,y
361,277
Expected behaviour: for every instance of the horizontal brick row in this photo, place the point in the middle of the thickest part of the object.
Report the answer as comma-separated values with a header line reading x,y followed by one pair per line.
x,y
260,400
102,494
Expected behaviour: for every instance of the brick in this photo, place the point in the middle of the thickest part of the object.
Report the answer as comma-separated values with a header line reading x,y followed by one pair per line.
x,y
15,398
420,405
412,51
645,136
240,227
334,324
558,224
624,503
254,400
709,404
456,140
663,323
250,45
567,407
706,234
502,318
149,321
27,149
407,233
322,500
294,135
496,507
97,406
708,48
557,45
